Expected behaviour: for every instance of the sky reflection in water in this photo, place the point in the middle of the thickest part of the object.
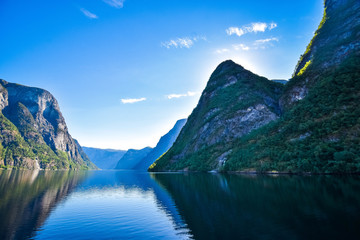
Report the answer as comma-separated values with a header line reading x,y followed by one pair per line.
x,y
139,205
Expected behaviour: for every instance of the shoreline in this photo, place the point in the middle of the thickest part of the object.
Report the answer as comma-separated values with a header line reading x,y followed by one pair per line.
x,y
269,173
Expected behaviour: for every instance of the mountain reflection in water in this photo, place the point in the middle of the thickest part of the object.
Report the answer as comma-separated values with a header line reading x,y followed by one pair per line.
x,y
86,205
266,207
28,197
139,205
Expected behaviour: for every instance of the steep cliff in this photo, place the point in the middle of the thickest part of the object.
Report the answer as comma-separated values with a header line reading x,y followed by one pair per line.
x,y
318,129
336,39
234,103
33,132
162,146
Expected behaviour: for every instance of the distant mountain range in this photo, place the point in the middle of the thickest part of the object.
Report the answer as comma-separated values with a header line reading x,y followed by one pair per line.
x,y
143,158
162,146
104,158
134,159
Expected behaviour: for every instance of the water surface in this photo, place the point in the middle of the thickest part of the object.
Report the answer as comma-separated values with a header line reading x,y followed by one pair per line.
x,y
139,205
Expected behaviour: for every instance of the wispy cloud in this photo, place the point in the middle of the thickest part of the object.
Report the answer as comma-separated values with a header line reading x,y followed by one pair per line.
x,y
188,94
258,44
221,51
132,100
264,41
251,28
235,30
236,47
185,42
178,43
241,46
115,3
88,13
272,25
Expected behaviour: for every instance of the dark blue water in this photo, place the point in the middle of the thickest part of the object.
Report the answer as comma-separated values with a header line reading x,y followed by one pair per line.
x,y
133,205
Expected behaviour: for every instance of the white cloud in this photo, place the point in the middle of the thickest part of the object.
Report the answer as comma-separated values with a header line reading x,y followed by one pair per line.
x,y
197,38
88,13
241,46
188,94
171,96
258,44
272,25
253,27
235,30
221,51
185,42
264,43
178,43
115,3
257,27
132,100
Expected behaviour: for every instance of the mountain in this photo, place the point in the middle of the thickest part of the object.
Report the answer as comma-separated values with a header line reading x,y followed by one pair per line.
x,y
311,124
334,44
234,102
132,157
162,146
104,158
33,132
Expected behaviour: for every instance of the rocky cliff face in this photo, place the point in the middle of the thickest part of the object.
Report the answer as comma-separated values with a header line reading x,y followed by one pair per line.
x,y
31,119
336,38
162,146
234,103
244,123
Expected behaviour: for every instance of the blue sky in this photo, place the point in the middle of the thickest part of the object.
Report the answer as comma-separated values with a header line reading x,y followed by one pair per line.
x,y
123,72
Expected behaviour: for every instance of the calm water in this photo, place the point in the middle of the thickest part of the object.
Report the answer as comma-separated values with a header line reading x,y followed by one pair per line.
x,y
131,205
